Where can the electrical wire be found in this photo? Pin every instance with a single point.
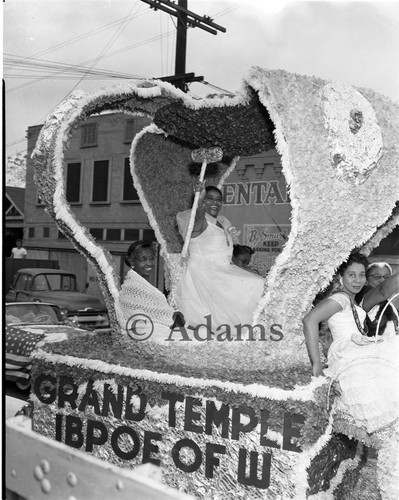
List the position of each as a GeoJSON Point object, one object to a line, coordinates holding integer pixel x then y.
{"type": "Point", "coordinates": [83, 36]}
{"type": "Point", "coordinates": [149, 40]}
{"type": "Point", "coordinates": [226, 11]}
{"type": "Point", "coordinates": [122, 21]}
{"type": "Point", "coordinates": [39, 67]}
{"type": "Point", "coordinates": [109, 44]}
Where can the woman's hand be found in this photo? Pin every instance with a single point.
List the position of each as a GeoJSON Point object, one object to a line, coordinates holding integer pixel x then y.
{"type": "Point", "coordinates": [234, 233]}
{"type": "Point", "coordinates": [321, 312]}
{"type": "Point", "coordinates": [199, 186]}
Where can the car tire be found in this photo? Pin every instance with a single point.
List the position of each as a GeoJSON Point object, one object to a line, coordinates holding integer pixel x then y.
{"type": "Point", "coordinates": [23, 386]}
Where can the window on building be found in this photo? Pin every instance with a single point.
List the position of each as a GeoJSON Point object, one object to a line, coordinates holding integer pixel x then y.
{"type": "Point", "coordinates": [31, 232]}
{"type": "Point", "coordinates": [129, 191]}
{"type": "Point", "coordinates": [89, 134]}
{"type": "Point", "coordinates": [46, 232]}
{"type": "Point", "coordinates": [97, 233]}
{"type": "Point", "coordinates": [100, 181]}
{"type": "Point", "coordinates": [148, 234]}
{"type": "Point", "coordinates": [113, 235]}
{"type": "Point", "coordinates": [134, 125]}
{"type": "Point", "coordinates": [132, 235]}
{"type": "Point", "coordinates": [73, 176]}
{"type": "Point", "coordinates": [61, 236]}
{"type": "Point", "coordinates": [131, 129]}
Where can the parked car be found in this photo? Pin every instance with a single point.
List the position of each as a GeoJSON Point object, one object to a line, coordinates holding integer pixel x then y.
{"type": "Point", "coordinates": [29, 325]}
{"type": "Point", "coordinates": [59, 287]}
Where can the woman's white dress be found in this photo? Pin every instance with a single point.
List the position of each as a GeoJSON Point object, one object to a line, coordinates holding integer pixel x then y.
{"type": "Point", "coordinates": [211, 284]}
{"type": "Point", "coordinates": [367, 374]}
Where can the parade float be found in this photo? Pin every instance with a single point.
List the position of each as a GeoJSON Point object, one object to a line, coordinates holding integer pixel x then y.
{"type": "Point", "coordinates": [225, 418]}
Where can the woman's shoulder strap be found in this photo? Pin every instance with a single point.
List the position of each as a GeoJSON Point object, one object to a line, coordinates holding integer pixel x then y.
{"type": "Point", "coordinates": [342, 298]}
{"type": "Point", "coordinates": [224, 221]}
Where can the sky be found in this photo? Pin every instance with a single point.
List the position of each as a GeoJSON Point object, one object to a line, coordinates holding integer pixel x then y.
{"type": "Point", "coordinates": [356, 42]}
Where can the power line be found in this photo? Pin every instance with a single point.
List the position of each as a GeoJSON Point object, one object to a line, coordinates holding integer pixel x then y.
{"type": "Point", "coordinates": [139, 44]}
{"type": "Point", "coordinates": [83, 36]}
{"type": "Point", "coordinates": [105, 49]}
{"type": "Point", "coordinates": [227, 10]}
{"type": "Point", "coordinates": [111, 75]}
{"type": "Point", "coordinates": [35, 68]}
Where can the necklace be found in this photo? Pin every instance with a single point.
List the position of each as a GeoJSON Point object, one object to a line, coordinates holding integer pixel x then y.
{"type": "Point", "coordinates": [362, 330]}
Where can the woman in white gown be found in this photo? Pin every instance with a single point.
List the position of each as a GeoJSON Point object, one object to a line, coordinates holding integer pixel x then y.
{"type": "Point", "coordinates": [365, 367]}
{"type": "Point", "coordinates": [211, 284]}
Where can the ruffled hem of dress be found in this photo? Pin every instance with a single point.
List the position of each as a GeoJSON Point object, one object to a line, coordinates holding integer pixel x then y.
{"type": "Point", "coordinates": [344, 424]}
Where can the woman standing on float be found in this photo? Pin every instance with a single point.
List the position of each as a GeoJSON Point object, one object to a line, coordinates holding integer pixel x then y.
{"type": "Point", "coordinates": [211, 284]}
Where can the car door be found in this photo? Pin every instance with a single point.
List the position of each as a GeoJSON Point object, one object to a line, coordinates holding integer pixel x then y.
{"type": "Point", "coordinates": [20, 291]}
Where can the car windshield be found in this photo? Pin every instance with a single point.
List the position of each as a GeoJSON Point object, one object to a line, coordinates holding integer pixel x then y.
{"type": "Point", "coordinates": [36, 313]}
{"type": "Point", "coordinates": [65, 282]}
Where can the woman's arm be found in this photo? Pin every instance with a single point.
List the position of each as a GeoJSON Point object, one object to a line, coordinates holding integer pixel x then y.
{"type": "Point", "coordinates": [381, 292]}
{"type": "Point", "coordinates": [323, 311]}
{"type": "Point", "coordinates": [200, 222]}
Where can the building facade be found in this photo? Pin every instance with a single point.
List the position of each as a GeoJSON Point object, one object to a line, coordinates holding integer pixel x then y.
{"type": "Point", "coordinates": [100, 191]}
{"type": "Point", "coordinates": [14, 207]}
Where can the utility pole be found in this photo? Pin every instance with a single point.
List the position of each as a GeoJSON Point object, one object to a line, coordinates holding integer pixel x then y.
{"type": "Point", "coordinates": [185, 19]}
{"type": "Point", "coordinates": [181, 40]}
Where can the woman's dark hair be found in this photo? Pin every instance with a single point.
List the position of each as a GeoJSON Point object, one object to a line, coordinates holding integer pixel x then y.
{"type": "Point", "coordinates": [137, 245]}
{"type": "Point", "coordinates": [213, 188]}
{"type": "Point", "coordinates": [242, 249]}
{"type": "Point", "coordinates": [354, 258]}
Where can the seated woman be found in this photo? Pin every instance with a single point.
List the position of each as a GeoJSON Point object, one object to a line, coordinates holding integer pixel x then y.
{"type": "Point", "coordinates": [210, 283]}
{"type": "Point", "coordinates": [242, 257]}
{"type": "Point", "coordinates": [388, 324]}
{"type": "Point", "coordinates": [365, 368]}
{"type": "Point", "coordinates": [139, 297]}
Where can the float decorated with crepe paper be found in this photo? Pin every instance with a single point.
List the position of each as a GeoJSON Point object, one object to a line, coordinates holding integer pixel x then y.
{"type": "Point", "coordinates": [226, 418]}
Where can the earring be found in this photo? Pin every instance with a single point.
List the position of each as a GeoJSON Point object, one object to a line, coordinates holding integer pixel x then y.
{"type": "Point", "coordinates": [340, 281]}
